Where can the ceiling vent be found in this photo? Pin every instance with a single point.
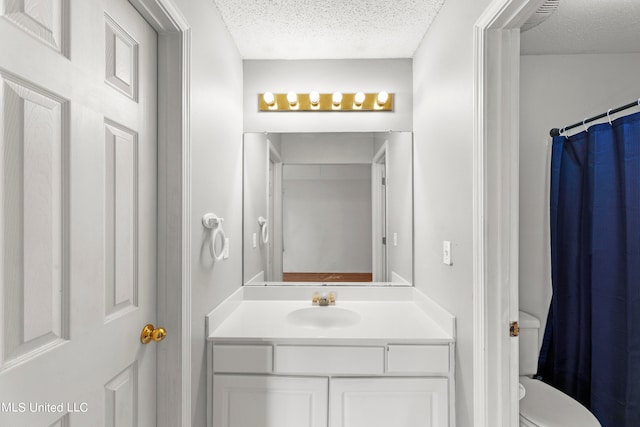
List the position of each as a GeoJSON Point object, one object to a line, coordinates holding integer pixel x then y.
{"type": "Point", "coordinates": [541, 15]}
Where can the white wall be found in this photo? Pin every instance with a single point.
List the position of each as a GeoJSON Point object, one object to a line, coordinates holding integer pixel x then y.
{"type": "Point", "coordinates": [327, 76]}
{"type": "Point", "coordinates": [443, 71]}
{"type": "Point", "coordinates": [329, 147]}
{"type": "Point", "coordinates": [327, 218]}
{"type": "Point", "coordinates": [216, 162]}
{"type": "Point", "coordinates": [555, 91]}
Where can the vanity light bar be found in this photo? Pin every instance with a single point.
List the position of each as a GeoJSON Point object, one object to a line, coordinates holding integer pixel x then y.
{"type": "Point", "coordinates": [336, 101]}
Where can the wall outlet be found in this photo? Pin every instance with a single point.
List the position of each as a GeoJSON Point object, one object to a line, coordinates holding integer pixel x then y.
{"type": "Point", "coordinates": [255, 240]}
{"type": "Point", "coordinates": [225, 254]}
{"type": "Point", "coordinates": [446, 252]}
{"type": "Point", "coordinates": [395, 239]}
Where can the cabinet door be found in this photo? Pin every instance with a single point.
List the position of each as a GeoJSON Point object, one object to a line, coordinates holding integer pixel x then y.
{"type": "Point", "coordinates": [384, 402]}
{"type": "Point", "coordinates": [266, 401]}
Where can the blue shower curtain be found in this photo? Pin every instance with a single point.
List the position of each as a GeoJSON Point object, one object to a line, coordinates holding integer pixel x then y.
{"type": "Point", "coordinates": [591, 347]}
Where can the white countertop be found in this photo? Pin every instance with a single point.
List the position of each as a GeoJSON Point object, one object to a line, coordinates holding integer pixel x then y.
{"type": "Point", "coordinates": [387, 315]}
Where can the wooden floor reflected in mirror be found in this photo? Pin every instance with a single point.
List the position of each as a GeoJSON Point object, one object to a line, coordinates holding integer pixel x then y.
{"type": "Point", "coordinates": [327, 277]}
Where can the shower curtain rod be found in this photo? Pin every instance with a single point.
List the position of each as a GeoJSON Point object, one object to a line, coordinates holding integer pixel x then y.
{"type": "Point", "coordinates": [556, 132]}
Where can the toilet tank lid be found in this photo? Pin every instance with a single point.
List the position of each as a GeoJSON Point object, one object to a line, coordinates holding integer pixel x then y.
{"type": "Point", "coordinates": [528, 321]}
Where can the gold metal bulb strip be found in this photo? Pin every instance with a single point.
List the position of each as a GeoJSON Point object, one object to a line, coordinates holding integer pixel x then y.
{"type": "Point", "coordinates": [325, 103]}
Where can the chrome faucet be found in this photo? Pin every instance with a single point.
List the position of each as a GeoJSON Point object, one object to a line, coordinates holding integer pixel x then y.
{"type": "Point", "coordinates": [324, 300]}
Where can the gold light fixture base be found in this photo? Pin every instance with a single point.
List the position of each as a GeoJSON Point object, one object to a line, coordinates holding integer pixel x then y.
{"type": "Point", "coordinates": [325, 103]}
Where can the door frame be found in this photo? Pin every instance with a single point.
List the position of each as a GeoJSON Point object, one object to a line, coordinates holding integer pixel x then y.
{"type": "Point", "coordinates": [173, 394]}
{"type": "Point", "coordinates": [379, 262]}
{"type": "Point", "coordinates": [496, 210]}
{"type": "Point", "coordinates": [275, 221]}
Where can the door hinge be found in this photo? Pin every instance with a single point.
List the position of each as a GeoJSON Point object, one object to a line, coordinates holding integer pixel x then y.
{"type": "Point", "coordinates": [384, 240]}
{"type": "Point", "coordinates": [384, 181]}
{"type": "Point", "coordinates": [514, 329]}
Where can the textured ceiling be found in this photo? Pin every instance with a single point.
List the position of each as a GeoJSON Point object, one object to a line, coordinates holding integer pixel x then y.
{"type": "Point", "coordinates": [327, 29]}
{"type": "Point", "coordinates": [587, 26]}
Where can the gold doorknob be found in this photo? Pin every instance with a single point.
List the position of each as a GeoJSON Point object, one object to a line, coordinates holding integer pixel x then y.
{"type": "Point", "coordinates": [151, 333]}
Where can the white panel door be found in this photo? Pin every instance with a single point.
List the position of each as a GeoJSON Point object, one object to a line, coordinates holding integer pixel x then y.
{"type": "Point", "coordinates": [384, 402]}
{"type": "Point", "coordinates": [77, 213]}
{"type": "Point", "coordinates": [269, 401]}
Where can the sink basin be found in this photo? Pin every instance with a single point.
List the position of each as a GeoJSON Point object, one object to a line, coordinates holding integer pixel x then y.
{"type": "Point", "coordinates": [323, 317]}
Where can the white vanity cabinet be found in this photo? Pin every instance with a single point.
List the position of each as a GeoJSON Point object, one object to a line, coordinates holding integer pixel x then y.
{"type": "Point", "coordinates": [283, 385]}
{"type": "Point", "coordinates": [269, 401]}
{"type": "Point", "coordinates": [380, 357]}
{"type": "Point", "coordinates": [384, 402]}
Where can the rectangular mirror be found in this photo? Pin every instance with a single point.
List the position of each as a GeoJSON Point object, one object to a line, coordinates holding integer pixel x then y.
{"type": "Point", "coordinates": [328, 207]}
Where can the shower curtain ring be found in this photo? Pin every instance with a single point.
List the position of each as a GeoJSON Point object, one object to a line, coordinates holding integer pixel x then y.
{"type": "Point", "coordinates": [609, 115]}
{"type": "Point", "coordinates": [563, 132]}
{"type": "Point", "coordinates": [586, 128]}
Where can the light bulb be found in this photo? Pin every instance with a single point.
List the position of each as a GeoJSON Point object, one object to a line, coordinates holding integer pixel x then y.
{"type": "Point", "coordinates": [268, 98]}
{"type": "Point", "coordinates": [336, 98]}
{"type": "Point", "coordinates": [359, 99]}
{"type": "Point", "coordinates": [383, 97]}
{"type": "Point", "coordinates": [314, 98]}
{"type": "Point", "coordinates": [292, 97]}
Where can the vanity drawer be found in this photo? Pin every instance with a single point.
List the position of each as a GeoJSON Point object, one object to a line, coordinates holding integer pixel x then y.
{"type": "Point", "coordinates": [431, 359]}
{"type": "Point", "coordinates": [256, 359]}
{"type": "Point", "coordinates": [328, 360]}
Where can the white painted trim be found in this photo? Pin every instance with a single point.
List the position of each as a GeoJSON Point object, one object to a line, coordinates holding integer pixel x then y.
{"type": "Point", "coordinates": [262, 245]}
{"type": "Point", "coordinates": [495, 210]}
{"type": "Point", "coordinates": [174, 240]}
{"type": "Point", "coordinates": [162, 15]}
{"type": "Point", "coordinates": [377, 253]}
{"type": "Point", "coordinates": [452, 383]}
{"type": "Point", "coordinates": [186, 229]}
{"type": "Point", "coordinates": [479, 233]}
{"type": "Point", "coordinates": [276, 222]}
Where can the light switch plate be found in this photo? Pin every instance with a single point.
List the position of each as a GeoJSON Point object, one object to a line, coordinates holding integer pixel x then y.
{"type": "Point", "coordinates": [225, 254]}
{"type": "Point", "coordinates": [446, 252]}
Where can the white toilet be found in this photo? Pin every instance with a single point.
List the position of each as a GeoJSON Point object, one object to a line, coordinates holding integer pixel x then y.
{"type": "Point", "coordinates": [540, 404]}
